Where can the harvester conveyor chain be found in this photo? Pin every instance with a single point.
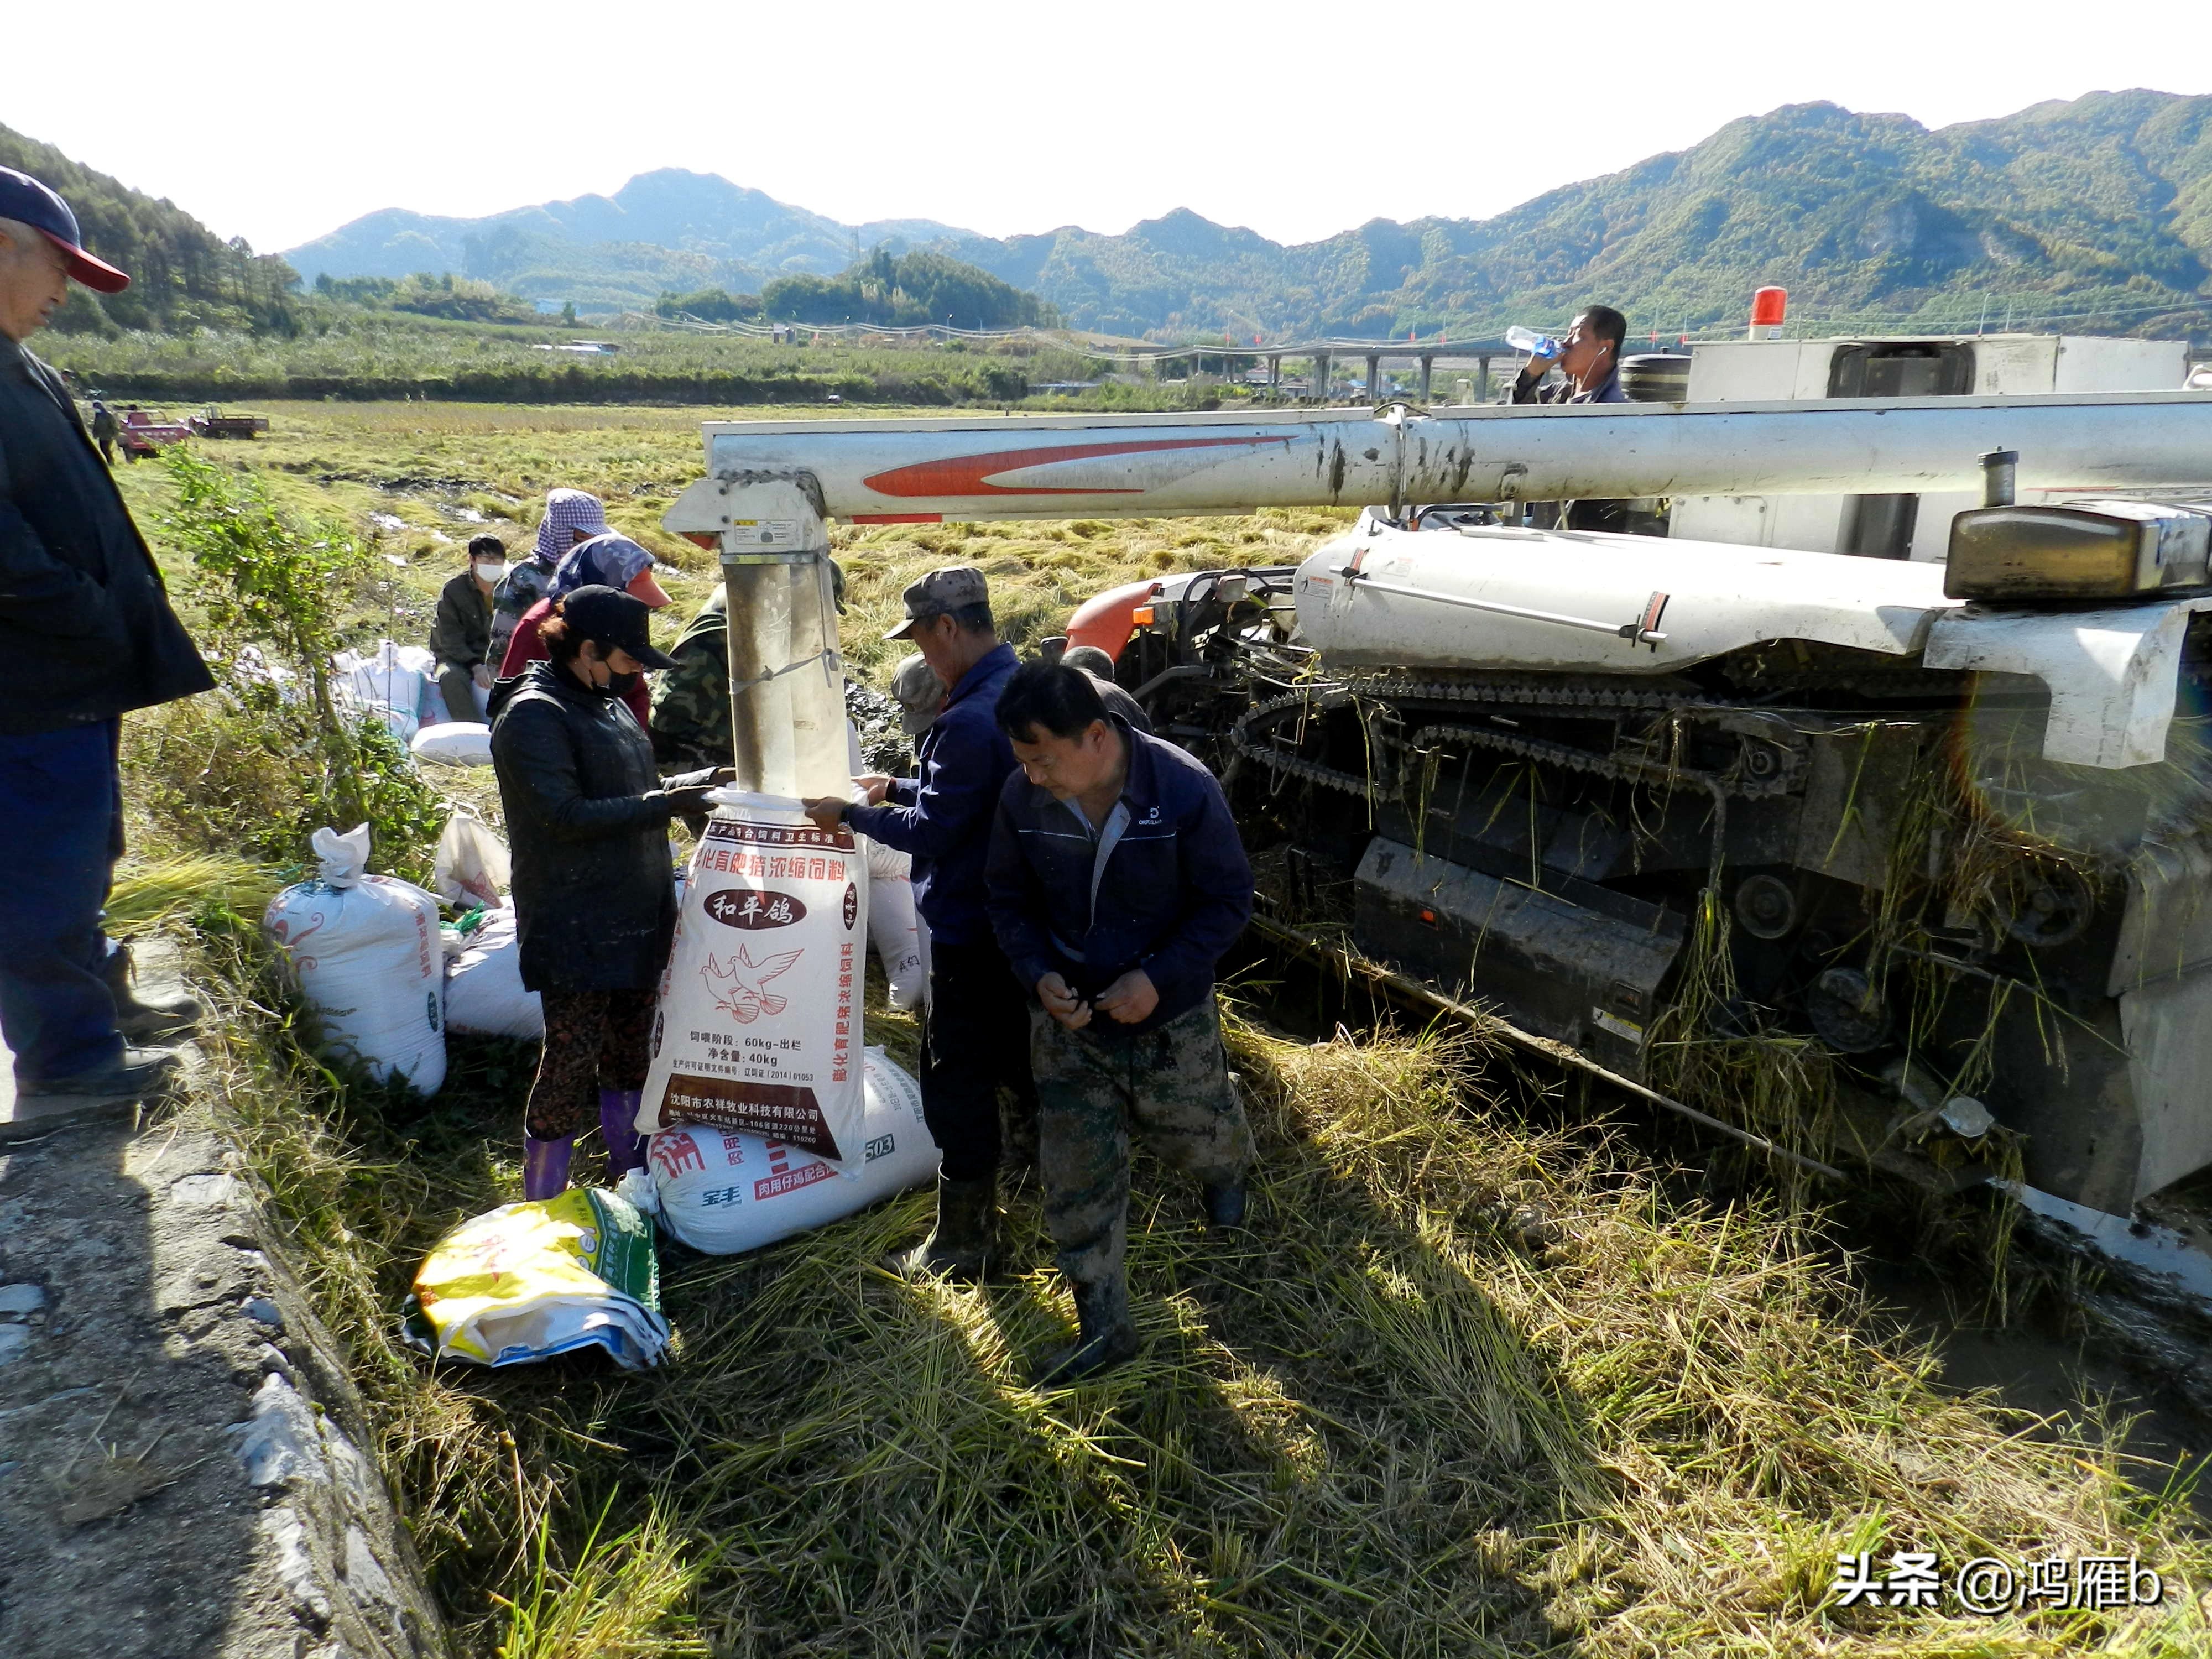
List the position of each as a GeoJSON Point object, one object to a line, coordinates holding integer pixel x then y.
{"type": "Point", "coordinates": [1580, 699]}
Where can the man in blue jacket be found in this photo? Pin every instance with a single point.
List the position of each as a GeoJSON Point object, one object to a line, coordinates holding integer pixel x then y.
{"type": "Point", "coordinates": [87, 636]}
{"type": "Point", "coordinates": [1117, 879]}
{"type": "Point", "coordinates": [977, 1035]}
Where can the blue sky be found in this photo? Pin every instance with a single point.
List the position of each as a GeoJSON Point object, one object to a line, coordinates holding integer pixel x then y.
{"type": "Point", "coordinates": [280, 122]}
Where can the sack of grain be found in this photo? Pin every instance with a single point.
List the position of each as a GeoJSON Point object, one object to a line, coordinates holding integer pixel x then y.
{"type": "Point", "coordinates": [393, 683]}
{"type": "Point", "coordinates": [365, 953]}
{"type": "Point", "coordinates": [894, 927]}
{"type": "Point", "coordinates": [722, 1191]}
{"type": "Point", "coordinates": [483, 983]}
{"type": "Point", "coordinates": [759, 1023]}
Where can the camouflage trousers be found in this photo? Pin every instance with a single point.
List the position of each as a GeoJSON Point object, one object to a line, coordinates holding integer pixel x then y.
{"type": "Point", "coordinates": [1171, 1085]}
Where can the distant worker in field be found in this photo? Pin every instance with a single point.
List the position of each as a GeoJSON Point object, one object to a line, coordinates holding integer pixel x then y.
{"type": "Point", "coordinates": [106, 428]}
{"type": "Point", "coordinates": [88, 635]}
{"type": "Point", "coordinates": [1589, 372]}
{"type": "Point", "coordinates": [460, 638]}
{"type": "Point", "coordinates": [977, 1038]}
{"type": "Point", "coordinates": [1117, 879]}
{"type": "Point", "coordinates": [607, 561]}
{"type": "Point", "coordinates": [571, 516]}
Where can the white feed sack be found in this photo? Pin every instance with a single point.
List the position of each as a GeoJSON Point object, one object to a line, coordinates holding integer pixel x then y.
{"type": "Point", "coordinates": [483, 983]}
{"type": "Point", "coordinates": [722, 1192]}
{"type": "Point", "coordinates": [894, 924]}
{"type": "Point", "coordinates": [366, 954]}
{"type": "Point", "coordinates": [759, 1026]}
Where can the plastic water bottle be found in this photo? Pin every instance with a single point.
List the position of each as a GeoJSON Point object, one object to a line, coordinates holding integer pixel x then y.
{"type": "Point", "coordinates": [1542, 346]}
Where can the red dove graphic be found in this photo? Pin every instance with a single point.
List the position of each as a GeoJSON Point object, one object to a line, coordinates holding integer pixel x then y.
{"type": "Point", "coordinates": [737, 984]}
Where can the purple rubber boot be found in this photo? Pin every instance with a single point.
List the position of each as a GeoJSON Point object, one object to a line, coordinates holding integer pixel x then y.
{"type": "Point", "coordinates": [545, 1166]}
{"type": "Point", "coordinates": [618, 1121]}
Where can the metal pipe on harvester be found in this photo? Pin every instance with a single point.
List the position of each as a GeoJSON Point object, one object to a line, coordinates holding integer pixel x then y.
{"type": "Point", "coordinates": [1063, 466]}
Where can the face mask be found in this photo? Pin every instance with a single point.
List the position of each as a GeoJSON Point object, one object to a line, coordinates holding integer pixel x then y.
{"type": "Point", "coordinates": [619, 685]}
{"type": "Point", "coordinates": [490, 572]}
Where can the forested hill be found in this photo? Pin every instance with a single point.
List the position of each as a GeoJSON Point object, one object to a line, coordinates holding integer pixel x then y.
{"type": "Point", "coordinates": [183, 275]}
{"type": "Point", "coordinates": [2091, 215]}
{"type": "Point", "coordinates": [2094, 214]}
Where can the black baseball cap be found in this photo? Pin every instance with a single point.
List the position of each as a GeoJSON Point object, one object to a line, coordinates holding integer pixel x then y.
{"type": "Point", "coordinates": [25, 199]}
{"type": "Point", "coordinates": [607, 616]}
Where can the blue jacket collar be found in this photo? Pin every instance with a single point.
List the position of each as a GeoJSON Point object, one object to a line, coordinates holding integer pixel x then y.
{"type": "Point", "coordinates": [995, 664]}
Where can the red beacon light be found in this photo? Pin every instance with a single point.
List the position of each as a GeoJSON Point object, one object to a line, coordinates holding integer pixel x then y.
{"type": "Point", "coordinates": [1768, 306]}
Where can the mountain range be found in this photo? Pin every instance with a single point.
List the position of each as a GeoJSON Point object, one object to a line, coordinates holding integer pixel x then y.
{"type": "Point", "coordinates": [2094, 213]}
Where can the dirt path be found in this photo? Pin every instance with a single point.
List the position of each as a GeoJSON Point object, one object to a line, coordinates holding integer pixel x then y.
{"type": "Point", "coordinates": [181, 1462]}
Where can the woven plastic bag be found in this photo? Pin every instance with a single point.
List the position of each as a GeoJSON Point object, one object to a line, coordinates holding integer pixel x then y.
{"type": "Point", "coordinates": [527, 1281]}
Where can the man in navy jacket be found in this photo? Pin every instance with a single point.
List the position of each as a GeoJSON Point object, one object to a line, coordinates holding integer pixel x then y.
{"type": "Point", "coordinates": [1117, 879]}
{"type": "Point", "coordinates": [977, 1037]}
{"type": "Point", "coordinates": [87, 636]}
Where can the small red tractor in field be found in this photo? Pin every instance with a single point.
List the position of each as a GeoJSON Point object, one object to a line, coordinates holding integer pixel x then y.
{"type": "Point", "coordinates": [148, 431]}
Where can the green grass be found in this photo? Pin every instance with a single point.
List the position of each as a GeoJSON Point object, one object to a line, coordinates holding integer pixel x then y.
{"type": "Point", "coordinates": [1387, 1421]}
{"type": "Point", "coordinates": [1469, 1385]}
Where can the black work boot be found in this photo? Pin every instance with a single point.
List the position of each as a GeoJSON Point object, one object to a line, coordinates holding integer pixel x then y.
{"type": "Point", "coordinates": [140, 1021]}
{"type": "Point", "coordinates": [1224, 1204]}
{"type": "Point", "coordinates": [1104, 1336]}
{"type": "Point", "coordinates": [134, 1074]}
{"type": "Point", "coordinates": [965, 1241]}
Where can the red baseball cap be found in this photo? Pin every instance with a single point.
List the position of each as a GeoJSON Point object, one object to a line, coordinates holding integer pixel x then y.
{"type": "Point", "coordinates": [25, 199]}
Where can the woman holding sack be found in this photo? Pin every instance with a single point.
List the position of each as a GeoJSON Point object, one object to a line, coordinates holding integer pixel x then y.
{"type": "Point", "coordinates": [595, 898]}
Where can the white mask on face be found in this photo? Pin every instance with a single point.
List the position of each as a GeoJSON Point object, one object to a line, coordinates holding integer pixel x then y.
{"type": "Point", "coordinates": [490, 572]}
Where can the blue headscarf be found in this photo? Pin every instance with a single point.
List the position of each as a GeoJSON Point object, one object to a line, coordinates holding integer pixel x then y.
{"type": "Point", "coordinates": [609, 561]}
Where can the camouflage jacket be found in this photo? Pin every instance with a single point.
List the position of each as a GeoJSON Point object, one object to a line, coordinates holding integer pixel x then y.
{"type": "Point", "coordinates": [691, 704]}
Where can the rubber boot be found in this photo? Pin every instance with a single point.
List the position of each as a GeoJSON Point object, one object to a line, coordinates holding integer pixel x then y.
{"type": "Point", "coordinates": [617, 1126]}
{"type": "Point", "coordinates": [545, 1166]}
{"type": "Point", "coordinates": [1105, 1337]}
{"type": "Point", "coordinates": [140, 1020]}
{"type": "Point", "coordinates": [1224, 1204]}
{"type": "Point", "coordinates": [965, 1241]}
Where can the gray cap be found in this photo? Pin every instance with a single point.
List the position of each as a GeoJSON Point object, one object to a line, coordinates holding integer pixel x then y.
{"type": "Point", "coordinates": [939, 592]}
{"type": "Point", "coordinates": [920, 694]}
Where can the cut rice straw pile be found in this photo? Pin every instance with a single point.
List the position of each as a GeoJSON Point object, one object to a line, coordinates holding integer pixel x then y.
{"type": "Point", "coordinates": [1465, 1387]}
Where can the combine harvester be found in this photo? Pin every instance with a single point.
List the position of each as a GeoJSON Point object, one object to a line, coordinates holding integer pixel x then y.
{"type": "Point", "coordinates": [1940, 828]}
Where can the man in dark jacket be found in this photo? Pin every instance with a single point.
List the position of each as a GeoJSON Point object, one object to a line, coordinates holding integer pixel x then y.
{"type": "Point", "coordinates": [460, 638]}
{"type": "Point", "coordinates": [1117, 879]}
{"type": "Point", "coordinates": [977, 1035]}
{"type": "Point", "coordinates": [87, 633]}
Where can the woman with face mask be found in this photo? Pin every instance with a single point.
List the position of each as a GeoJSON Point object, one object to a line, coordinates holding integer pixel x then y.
{"type": "Point", "coordinates": [594, 900]}
{"type": "Point", "coordinates": [607, 561]}
{"type": "Point", "coordinates": [461, 639]}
